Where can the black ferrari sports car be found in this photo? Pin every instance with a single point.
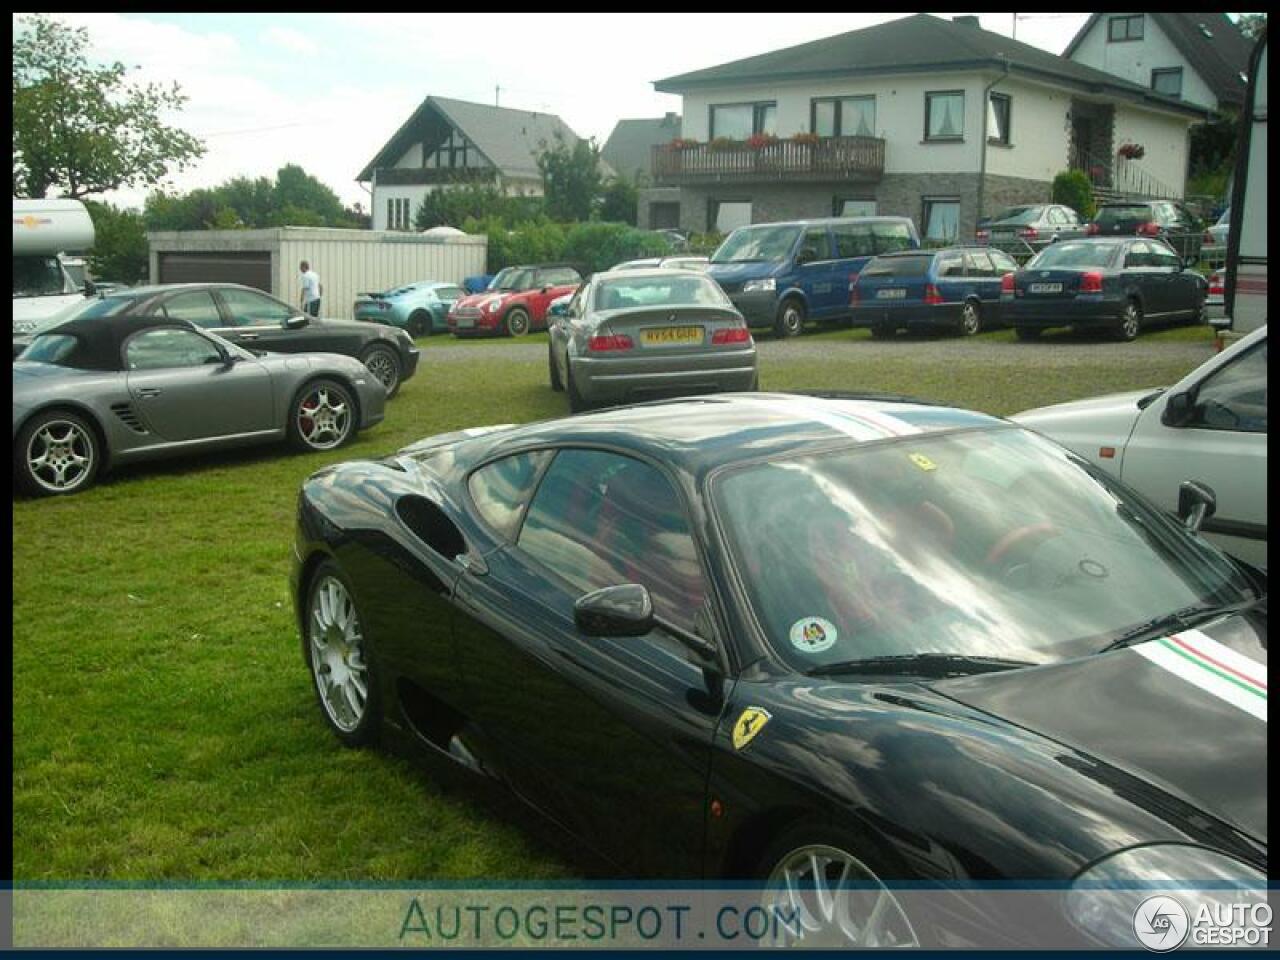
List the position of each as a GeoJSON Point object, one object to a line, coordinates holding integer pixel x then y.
{"type": "Point", "coordinates": [823, 642]}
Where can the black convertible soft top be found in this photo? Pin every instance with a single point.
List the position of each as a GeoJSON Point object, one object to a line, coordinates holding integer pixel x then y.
{"type": "Point", "coordinates": [99, 339]}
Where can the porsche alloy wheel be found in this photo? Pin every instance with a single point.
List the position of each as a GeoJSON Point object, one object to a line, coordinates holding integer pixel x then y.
{"type": "Point", "coordinates": [835, 900]}
{"type": "Point", "coordinates": [57, 453]}
{"type": "Point", "coordinates": [382, 363]}
{"type": "Point", "coordinates": [336, 649]}
{"type": "Point", "coordinates": [323, 416]}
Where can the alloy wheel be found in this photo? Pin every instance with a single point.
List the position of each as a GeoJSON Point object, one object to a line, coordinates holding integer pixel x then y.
{"type": "Point", "coordinates": [970, 319]}
{"type": "Point", "coordinates": [337, 654]}
{"type": "Point", "coordinates": [1130, 321]}
{"type": "Point", "coordinates": [60, 456]}
{"type": "Point", "coordinates": [836, 901]}
{"type": "Point", "coordinates": [324, 417]}
{"type": "Point", "coordinates": [382, 365]}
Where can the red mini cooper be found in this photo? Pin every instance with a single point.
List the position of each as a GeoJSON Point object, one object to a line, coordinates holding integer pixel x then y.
{"type": "Point", "coordinates": [515, 302]}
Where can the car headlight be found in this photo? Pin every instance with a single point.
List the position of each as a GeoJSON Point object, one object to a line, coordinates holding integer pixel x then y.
{"type": "Point", "coordinates": [768, 283]}
{"type": "Point", "coordinates": [1107, 900]}
{"type": "Point", "coordinates": [492, 305]}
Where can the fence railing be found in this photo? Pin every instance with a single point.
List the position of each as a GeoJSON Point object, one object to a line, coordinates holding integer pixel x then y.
{"type": "Point", "coordinates": [838, 158]}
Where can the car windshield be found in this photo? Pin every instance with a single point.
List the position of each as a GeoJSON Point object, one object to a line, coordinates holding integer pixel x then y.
{"type": "Point", "coordinates": [988, 543]}
{"type": "Point", "coordinates": [1019, 215]}
{"type": "Point", "coordinates": [674, 290]}
{"type": "Point", "coordinates": [1225, 218]}
{"type": "Point", "coordinates": [1069, 255]}
{"type": "Point", "coordinates": [754, 244]}
{"type": "Point", "coordinates": [512, 278]}
{"type": "Point", "coordinates": [38, 277]}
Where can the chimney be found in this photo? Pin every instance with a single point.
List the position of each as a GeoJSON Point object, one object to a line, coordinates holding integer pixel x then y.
{"type": "Point", "coordinates": [968, 20]}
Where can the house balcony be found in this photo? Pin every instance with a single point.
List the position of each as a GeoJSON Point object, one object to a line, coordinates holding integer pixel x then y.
{"type": "Point", "coordinates": [420, 176]}
{"type": "Point", "coordinates": [859, 159]}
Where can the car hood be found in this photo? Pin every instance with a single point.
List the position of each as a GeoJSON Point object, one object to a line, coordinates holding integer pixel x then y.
{"type": "Point", "coordinates": [741, 272]}
{"type": "Point", "coordinates": [479, 299]}
{"type": "Point", "coordinates": [1112, 416]}
{"type": "Point", "coordinates": [1186, 713]}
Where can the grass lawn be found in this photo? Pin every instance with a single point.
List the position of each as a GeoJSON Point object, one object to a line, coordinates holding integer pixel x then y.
{"type": "Point", "coordinates": [164, 726]}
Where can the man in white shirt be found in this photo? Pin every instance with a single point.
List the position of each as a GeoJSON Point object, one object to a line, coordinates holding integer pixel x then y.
{"type": "Point", "coordinates": [310, 290]}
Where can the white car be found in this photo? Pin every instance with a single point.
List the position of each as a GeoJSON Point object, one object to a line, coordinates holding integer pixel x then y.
{"type": "Point", "coordinates": [1210, 426]}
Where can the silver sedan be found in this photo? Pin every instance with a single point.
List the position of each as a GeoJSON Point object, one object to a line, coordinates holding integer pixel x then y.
{"type": "Point", "coordinates": [648, 334]}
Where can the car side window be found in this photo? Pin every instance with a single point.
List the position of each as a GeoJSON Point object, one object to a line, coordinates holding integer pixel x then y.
{"type": "Point", "coordinates": [449, 293]}
{"type": "Point", "coordinates": [817, 241]}
{"type": "Point", "coordinates": [249, 309]}
{"type": "Point", "coordinates": [600, 519]}
{"type": "Point", "coordinates": [196, 307]}
{"type": "Point", "coordinates": [1234, 397]}
{"type": "Point", "coordinates": [853, 240]}
{"type": "Point", "coordinates": [502, 489]}
{"type": "Point", "coordinates": [978, 263]}
{"type": "Point", "coordinates": [1138, 255]}
{"type": "Point", "coordinates": [1003, 262]}
{"type": "Point", "coordinates": [1162, 256]}
{"type": "Point", "coordinates": [165, 347]}
{"type": "Point", "coordinates": [950, 265]}
{"type": "Point", "coordinates": [557, 277]}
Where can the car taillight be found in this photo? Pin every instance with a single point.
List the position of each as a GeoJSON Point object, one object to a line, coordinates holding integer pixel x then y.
{"type": "Point", "coordinates": [614, 341]}
{"type": "Point", "coordinates": [1092, 230]}
{"type": "Point", "coordinates": [731, 335]}
{"type": "Point", "coordinates": [1148, 229]}
{"type": "Point", "coordinates": [855, 295]}
{"type": "Point", "coordinates": [983, 235]}
{"type": "Point", "coordinates": [931, 295]}
{"type": "Point", "coordinates": [1006, 283]}
{"type": "Point", "coordinates": [1217, 284]}
{"type": "Point", "coordinates": [1090, 282]}
{"type": "Point", "coordinates": [1028, 233]}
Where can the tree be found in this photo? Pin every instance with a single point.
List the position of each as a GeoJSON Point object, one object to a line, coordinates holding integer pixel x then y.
{"type": "Point", "coordinates": [570, 177]}
{"type": "Point", "coordinates": [1072, 188]}
{"type": "Point", "coordinates": [120, 250]}
{"type": "Point", "coordinates": [311, 203]}
{"type": "Point", "coordinates": [619, 201]}
{"type": "Point", "coordinates": [83, 129]}
{"type": "Point", "coordinates": [1252, 24]}
{"type": "Point", "coordinates": [294, 198]}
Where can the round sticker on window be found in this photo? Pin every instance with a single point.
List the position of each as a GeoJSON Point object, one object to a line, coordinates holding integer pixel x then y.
{"type": "Point", "coordinates": [813, 635]}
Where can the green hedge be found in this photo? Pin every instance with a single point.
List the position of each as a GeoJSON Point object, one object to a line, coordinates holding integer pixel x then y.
{"type": "Point", "coordinates": [593, 245]}
{"type": "Point", "coordinates": [1073, 189]}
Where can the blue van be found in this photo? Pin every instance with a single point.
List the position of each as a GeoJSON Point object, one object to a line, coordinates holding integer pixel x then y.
{"type": "Point", "coordinates": [956, 288]}
{"type": "Point", "coordinates": [781, 274]}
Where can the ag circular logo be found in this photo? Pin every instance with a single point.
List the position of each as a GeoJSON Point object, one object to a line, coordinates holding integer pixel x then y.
{"type": "Point", "coordinates": [1161, 923]}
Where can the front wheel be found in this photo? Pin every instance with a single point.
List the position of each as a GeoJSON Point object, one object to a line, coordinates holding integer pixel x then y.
{"type": "Point", "coordinates": [517, 323]}
{"type": "Point", "coordinates": [343, 672]}
{"type": "Point", "coordinates": [383, 363]}
{"type": "Point", "coordinates": [56, 453]}
{"type": "Point", "coordinates": [1130, 322]}
{"type": "Point", "coordinates": [790, 320]}
{"type": "Point", "coordinates": [323, 416]}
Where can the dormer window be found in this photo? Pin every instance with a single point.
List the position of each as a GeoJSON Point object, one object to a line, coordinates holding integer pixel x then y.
{"type": "Point", "coordinates": [1167, 81]}
{"type": "Point", "coordinates": [1125, 28]}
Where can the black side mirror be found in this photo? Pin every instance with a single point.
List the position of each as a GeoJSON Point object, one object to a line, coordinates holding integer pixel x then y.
{"type": "Point", "coordinates": [296, 322]}
{"type": "Point", "coordinates": [622, 611]}
{"type": "Point", "coordinates": [1179, 409]}
{"type": "Point", "coordinates": [1196, 503]}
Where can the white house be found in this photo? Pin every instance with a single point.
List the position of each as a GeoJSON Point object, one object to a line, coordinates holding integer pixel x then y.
{"type": "Point", "coordinates": [448, 142]}
{"type": "Point", "coordinates": [1202, 58]}
{"type": "Point", "coordinates": [934, 119]}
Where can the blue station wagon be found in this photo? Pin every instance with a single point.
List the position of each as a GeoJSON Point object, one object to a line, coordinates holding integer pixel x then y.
{"type": "Point", "coordinates": [781, 275]}
{"type": "Point", "coordinates": [956, 288]}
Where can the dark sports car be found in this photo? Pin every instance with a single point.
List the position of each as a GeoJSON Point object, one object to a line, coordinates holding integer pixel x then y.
{"type": "Point", "coordinates": [820, 641]}
{"type": "Point", "coordinates": [99, 391]}
{"type": "Point", "coordinates": [259, 321]}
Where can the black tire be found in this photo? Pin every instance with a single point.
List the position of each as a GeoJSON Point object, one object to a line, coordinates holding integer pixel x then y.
{"type": "Point", "coordinates": [577, 403]}
{"type": "Point", "coordinates": [553, 371]}
{"type": "Point", "coordinates": [365, 732]}
{"type": "Point", "coordinates": [880, 331]}
{"type": "Point", "coordinates": [420, 324]}
{"type": "Point", "coordinates": [1130, 322]}
{"type": "Point", "coordinates": [66, 449]}
{"type": "Point", "coordinates": [970, 319]}
{"type": "Point", "coordinates": [1027, 333]}
{"type": "Point", "coordinates": [790, 319]}
{"type": "Point", "coordinates": [516, 322]}
{"type": "Point", "coordinates": [335, 394]}
{"type": "Point", "coordinates": [384, 363]}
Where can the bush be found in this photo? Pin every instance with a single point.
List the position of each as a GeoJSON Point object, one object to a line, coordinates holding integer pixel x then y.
{"type": "Point", "coordinates": [598, 246]}
{"type": "Point", "coordinates": [120, 250]}
{"type": "Point", "coordinates": [532, 242]}
{"type": "Point", "coordinates": [1073, 189]}
{"type": "Point", "coordinates": [704, 244]}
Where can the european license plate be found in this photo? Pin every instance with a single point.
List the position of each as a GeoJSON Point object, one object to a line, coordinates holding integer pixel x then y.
{"type": "Point", "coordinates": [465, 323]}
{"type": "Point", "coordinates": [1045, 287]}
{"type": "Point", "coordinates": [891, 294]}
{"type": "Point", "coordinates": [671, 336]}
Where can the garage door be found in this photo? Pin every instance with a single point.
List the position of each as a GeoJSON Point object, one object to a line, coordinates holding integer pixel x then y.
{"type": "Point", "coordinates": [253, 269]}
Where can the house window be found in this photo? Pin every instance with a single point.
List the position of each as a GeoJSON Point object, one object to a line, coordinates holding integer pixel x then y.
{"type": "Point", "coordinates": [1122, 29]}
{"type": "Point", "coordinates": [853, 207]}
{"type": "Point", "coordinates": [1168, 81]}
{"type": "Point", "coordinates": [728, 215]}
{"type": "Point", "coordinates": [941, 219]}
{"type": "Point", "coordinates": [737, 121]}
{"type": "Point", "coordinates": [843, 116]}
{"type": "Point", "coordinates": [944, 115]}
{"type": "Point", "coordinates": [999, 113]}
{"type": "Point", "coordinates": [455, 153]}
{"type": "Point", "coordinates": [397, 213]}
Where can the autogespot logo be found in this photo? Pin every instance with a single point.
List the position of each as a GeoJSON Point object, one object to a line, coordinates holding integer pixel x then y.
{"type": "Point", "coordinates": [1161, 923]}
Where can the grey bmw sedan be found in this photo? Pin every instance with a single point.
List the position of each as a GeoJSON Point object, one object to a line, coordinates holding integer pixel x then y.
{"type": "Point", "coordinates": [649, 334]}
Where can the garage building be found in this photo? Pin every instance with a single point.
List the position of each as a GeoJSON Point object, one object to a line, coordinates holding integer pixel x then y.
{"type": "Point", "coordinates": [350, 262]}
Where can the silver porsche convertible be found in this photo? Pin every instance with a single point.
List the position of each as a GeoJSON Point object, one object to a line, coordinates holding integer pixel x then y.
{"type": "Point", "coordinates": [96, 392]}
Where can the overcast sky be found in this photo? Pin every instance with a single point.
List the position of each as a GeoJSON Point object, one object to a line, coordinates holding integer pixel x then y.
{"type": "Point", "coordinates": [326, 91]}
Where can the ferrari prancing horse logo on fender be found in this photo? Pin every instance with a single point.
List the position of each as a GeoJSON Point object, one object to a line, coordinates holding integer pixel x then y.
{"type": "Point", "coordinates": [750, 723]}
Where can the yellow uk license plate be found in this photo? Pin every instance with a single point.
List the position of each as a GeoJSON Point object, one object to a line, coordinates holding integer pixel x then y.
{"type": "Point", "coordinates": [671, 336]}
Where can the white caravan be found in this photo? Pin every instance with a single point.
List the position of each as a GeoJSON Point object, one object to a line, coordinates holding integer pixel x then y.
{"type": "Point", "coordinates": [43, 229]}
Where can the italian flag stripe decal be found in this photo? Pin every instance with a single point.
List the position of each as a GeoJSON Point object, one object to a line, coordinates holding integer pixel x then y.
{"type": "Point", "coordinates": [1216, 669]}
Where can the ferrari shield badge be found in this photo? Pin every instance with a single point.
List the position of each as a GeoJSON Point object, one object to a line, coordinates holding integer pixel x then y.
{"type": "Point", "coordinates": [749, 723]}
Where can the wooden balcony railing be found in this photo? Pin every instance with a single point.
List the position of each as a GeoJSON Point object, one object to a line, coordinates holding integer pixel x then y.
{"type": "Point", "coordinates": [831, 158]}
